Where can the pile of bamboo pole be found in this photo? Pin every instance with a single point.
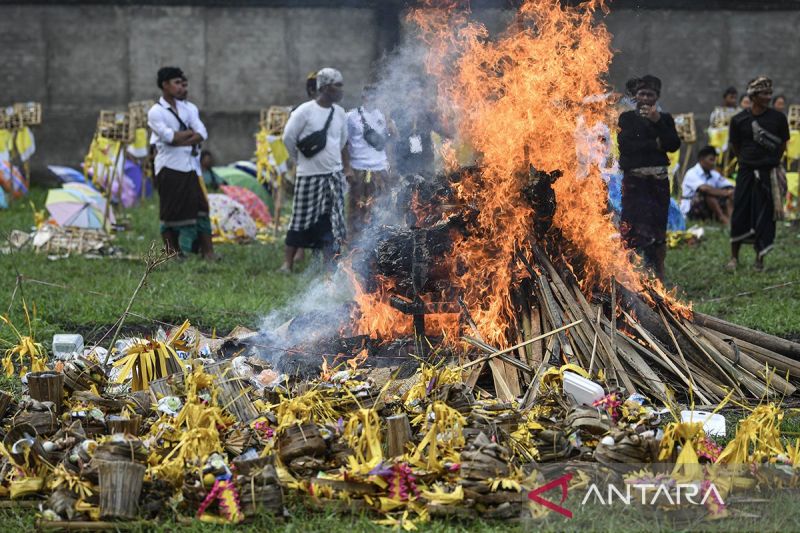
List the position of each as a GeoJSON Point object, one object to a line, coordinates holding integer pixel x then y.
{"type": "Point", "coordinates": [641, 347]}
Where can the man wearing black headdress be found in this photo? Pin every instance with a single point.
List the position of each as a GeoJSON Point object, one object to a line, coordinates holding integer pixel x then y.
{"type": "Point", "coordinates": [645, 137]}
{"type": "Point", "coordinates": [758, 136]}
{"type": "Point", "coordinates": [178, 132]}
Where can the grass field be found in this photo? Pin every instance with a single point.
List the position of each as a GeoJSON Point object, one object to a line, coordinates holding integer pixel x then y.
{"type": "Point", "coordinates": [87, 295]}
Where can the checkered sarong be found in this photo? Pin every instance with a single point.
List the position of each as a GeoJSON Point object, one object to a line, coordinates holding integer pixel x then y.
{"type": "Point", "coordinates": [315, 196]}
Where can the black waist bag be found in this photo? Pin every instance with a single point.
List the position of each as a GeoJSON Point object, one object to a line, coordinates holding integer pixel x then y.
{"type": "Point", "coordinates": [371, 135]}
{"type": "Point", "coordinates": [314, 143]}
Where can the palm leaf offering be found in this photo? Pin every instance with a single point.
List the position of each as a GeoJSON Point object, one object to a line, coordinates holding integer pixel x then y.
{"type": "Point", "coordinates": [146, 360]}
{"type": "Point", "coordinates": [26, 351]}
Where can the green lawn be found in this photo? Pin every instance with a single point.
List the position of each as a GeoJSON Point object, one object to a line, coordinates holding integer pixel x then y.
{"type": "Point", "coordinates": [244, 287]}
{"type": "Point", "coordinates": [773, 302]}
{"type": "Point", "coordinates": [237, 290]}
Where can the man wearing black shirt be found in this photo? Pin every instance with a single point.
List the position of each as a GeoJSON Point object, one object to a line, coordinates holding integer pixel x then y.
{"type": "Point", "coordinates": [413, 148]}
{"type": "Point", "coordinates": [645, 136]}
{"type": "Point", "coordinates": [758, 136]}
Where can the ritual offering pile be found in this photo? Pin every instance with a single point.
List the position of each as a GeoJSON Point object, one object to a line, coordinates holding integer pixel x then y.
{"type": "Point", "coordinates": [171, 429]}
{"type": "Point", "coordinates": [488, 337]}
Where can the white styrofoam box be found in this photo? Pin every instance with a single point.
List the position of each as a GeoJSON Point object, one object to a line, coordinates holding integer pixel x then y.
{"type": "Point", "coordinates": [713, 424]}
{"type": "Point", "coordinates": [584, 391]}
{"type": "Point", "coordinates": [67, 344]}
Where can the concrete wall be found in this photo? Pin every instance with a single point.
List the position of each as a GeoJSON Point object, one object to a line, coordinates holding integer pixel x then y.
{"type": "Point", "coordinates": [697, 54]}
{"type": "Point", "coordinates": [77, 59]}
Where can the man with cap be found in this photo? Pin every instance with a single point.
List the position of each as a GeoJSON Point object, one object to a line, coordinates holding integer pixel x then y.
{"type": "Point", "coordinates": [316, 136]}
{"type": "Point", "coordinates": [183, 206]}
{"type": "Point", "coordinates": [758, 136]}
{"type": "Point", "coordinates": [645, 136]}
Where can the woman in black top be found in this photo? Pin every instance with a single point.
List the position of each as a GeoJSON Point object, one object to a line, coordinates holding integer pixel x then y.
{"type": "Point", "coordinates": [758, 136]}
{"type": "Point", "coordinates": [645, 136]}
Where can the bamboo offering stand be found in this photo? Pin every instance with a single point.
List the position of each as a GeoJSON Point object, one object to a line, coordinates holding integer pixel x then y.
{"type": "Point", "coordinates": [272, 121]}
{"type": "Point", "coordinates": [16, 117]}
{"type": "Point", "coordinates": [138, 113]}
{"type": "Point", "coordinates": [684, 124]}
{"type": "Point", "coordinates": [115, 126]}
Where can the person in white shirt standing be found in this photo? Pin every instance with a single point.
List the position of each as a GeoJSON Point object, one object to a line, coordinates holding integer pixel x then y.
{"type": "Point", "coordinates": [183, 206]}
{"type": "Point", "coordinates": [316, 138]}
{"type": "Point", "coordinates": [368, 132]}
{"type": "Point", "coordinates": [705, 192]}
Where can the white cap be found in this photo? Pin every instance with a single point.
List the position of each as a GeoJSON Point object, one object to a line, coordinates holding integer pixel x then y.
{"type": "Point", "coordinates": [328, 76]}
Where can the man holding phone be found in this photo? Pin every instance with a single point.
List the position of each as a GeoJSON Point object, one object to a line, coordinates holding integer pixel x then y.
{"type": "Point", "coordinates": [645, 136]}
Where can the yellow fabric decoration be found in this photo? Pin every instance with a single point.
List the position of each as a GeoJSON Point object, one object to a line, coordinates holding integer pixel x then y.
{"type": "Point", "coordinates": [793, 146]}
{"type": "Point", "coordinates": [139, 148]}
{"type": "Point", "coordinates": [25, 143]}
{"type": "Point", "coordinates": [6, 144]}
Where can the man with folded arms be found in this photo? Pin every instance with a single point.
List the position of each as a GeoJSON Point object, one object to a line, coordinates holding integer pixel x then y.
{"type": "Point", "coordinates": [183, 206]}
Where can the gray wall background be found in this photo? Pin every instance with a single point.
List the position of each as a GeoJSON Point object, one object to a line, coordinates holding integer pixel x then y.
{"type": "Point", "coordinates": [77, 59]}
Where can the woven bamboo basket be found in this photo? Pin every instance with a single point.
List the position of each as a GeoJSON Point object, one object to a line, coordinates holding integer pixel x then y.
{"type": "Point", "coordinates": [129, 426]}
{"type": "Point", "coordinates": [233, 393]}
{"type": "Point", "coordinates": [47, 387]}
{"type": "Point", "coordinates": [5, 403]}
{"type": "Point", "coordinates": [138, 113]}
{"type": "Point", "coordinates": [169, 386]}
{"type": "Point", "coordinates": [120, 487]}
{"type": "Point", "coordinates": [24, 434]}
{"type": "Point", "coordinates": [115, 126]}
{"type": "Point", "coordinates": [300, 440]}
{"type": "Point", "coordinates": [684, 124]}
{"type": "Point", "coordinates": [44, 422]}
{"type": "Point", "coordinates": [30, 113]}
{"type": "Point", "coordinates": [794, 117]}
{"type": "Point", "coordinates": [274, 119]}
{"type": "Point", "coordinates": [80, 374]}
{"type": "Point", "coordinates": [140, 402]}
{"type": "Point", "coordinates": [11, 120]}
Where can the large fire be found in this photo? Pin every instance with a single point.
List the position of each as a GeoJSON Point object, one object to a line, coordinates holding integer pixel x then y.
{"type": "Point", "coordinates": [532, 97]}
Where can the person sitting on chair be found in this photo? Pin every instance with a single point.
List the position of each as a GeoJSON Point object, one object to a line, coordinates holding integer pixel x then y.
{"type": "Point", "coordinates": [706, 194]}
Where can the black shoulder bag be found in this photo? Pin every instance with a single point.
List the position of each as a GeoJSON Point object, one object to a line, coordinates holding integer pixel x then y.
{"type": "Point", "coordinates": [314, 143]}
{"type": "Point", "coordinates": [184, 127]}
{"type": "Point", "coordinates": [374, 138]}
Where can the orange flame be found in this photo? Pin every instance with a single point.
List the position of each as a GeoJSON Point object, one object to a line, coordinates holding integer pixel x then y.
{"type": "Point", "coordinates": [534, 97]}
{"type": "Point", "coordinates": [521, 99]}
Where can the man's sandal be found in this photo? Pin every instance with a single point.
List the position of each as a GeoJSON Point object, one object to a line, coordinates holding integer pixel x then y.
{"type": "Point", "coordinates": [731, 265]}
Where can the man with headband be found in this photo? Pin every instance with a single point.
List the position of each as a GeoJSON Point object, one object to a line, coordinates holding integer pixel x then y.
{"type": "Point", "coordinates": [758, 136]}
{"type": "Point", "coordinates": [645, 137]}
{"type": "Point", "coordinates": [183, 206]}
{"type": "Point", "coordinates": [316, 137]}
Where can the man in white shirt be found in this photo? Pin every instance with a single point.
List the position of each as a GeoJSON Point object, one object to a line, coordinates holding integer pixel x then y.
{"type": "Point", "coordinates": [368, 132]}
{"type": "Point", "coordinates": [178, 131]}
{"type": "Point", "coordinates": [316, 136]}
{"type": "Point", "coordinates": [705, 192]}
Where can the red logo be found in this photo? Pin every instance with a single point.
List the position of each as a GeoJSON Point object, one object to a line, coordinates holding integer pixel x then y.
{"type": "Point", "coordinates": [560, 482]}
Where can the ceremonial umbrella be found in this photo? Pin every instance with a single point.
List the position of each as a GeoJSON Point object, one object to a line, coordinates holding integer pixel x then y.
{"type": "Point", "coordinates": [67, 174]}
{"type": "Point", "coordinates": [240, 178]}
{"type": "Point", "coordinates": [74, 207]}
{"type": "Point", "coordinates": [229, 218]}
{"type": "Point", "coordinates": [255, 207]}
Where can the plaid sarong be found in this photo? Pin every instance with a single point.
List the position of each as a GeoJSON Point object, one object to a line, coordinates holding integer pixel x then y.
{"type": "Point", "coordinates": [315, 196]}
